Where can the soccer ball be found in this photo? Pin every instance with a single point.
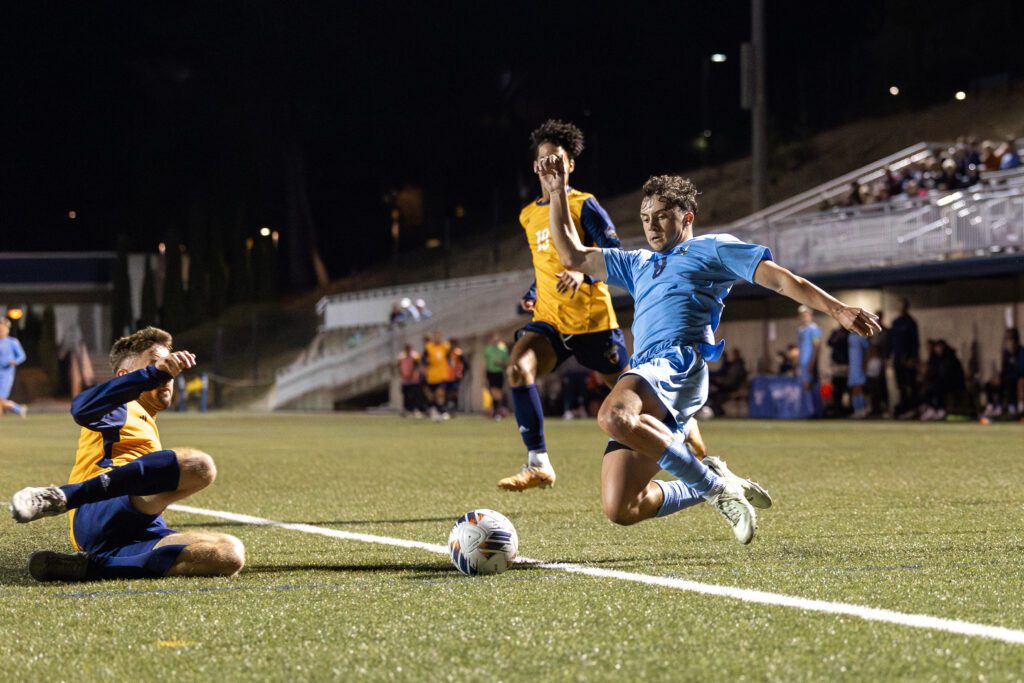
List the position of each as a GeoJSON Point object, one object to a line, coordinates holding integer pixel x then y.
{"type": "Point", "coordinates": [483, 542]}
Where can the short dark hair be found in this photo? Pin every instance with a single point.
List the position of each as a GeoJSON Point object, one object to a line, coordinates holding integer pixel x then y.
{"type": "Point", "coordinates": [561, 133]}
{"type": "Point", "coordinates": [136, 343]}
{"type": "Point", "coordinates": [673, 190]}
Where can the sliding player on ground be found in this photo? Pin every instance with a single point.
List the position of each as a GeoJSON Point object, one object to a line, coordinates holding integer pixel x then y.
{"type": "Point", "coordinates": [678, 287]}
{"type": "Point", "coordinates": [123, 480]}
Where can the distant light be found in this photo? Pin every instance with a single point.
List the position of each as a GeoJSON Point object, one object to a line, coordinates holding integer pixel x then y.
{"type": "Point", "coordinates": [15, 313]}
{"type": "Point", "coordinates": [707, 133]}
{"type": "Point", "coordinates": [162, 248]}
{"type": "Point", "coordinates": [264, 231]}
{"type": "Point", "coordinates": [893, 90]}
{"type": "Point", "coordinates": [460, 211]}
{"type": "Point", "coordinates": [960, 95]}
{"type": "Point", "coordinates": [249, 242]}
{"type": "Point", "coordinates": [718, 58]}
{"type": "Point", "coordinates": [72, 215]}
{"type": "Point", "coordinates": [433, 243]}
{"type": "Point", "coordinates": [276, 236]}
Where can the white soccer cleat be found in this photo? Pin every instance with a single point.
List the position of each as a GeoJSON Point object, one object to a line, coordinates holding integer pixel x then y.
{"type": "Point", "coordinates": [34, 502]}
{"type": "Point", "coordinates": [733, 505]}
{"type": "Point", "coordinates": [754, 492]}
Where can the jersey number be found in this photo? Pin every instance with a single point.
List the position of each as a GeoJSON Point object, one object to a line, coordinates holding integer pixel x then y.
{"type": "Point", "coordinates": [543, 239]}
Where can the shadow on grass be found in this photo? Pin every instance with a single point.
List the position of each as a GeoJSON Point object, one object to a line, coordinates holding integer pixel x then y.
{"type": "Point", "coordinates": [388, 567]}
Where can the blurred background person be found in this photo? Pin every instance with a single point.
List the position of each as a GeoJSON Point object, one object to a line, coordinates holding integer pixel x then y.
{"type": "Point", "coordinates": [808, 341]}
{"type": "Point", "coordinates": [11, 356]}
{"type": "Point", "coordinates": [457, 366]}
{"type": "Point", "coordinates": [409, 374]}
{"type": "Point", "coordinates": [857, 352]}
{"type": "Point", "coordinates": [495, 362]}
{"type": "Point", "coordinates": [905, 346]}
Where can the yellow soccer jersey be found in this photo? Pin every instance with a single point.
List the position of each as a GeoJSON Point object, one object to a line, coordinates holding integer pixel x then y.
{"type": "Point", "coordinates": [116, 429]}
{"type": "Point", "coordinates": [591, 309]}
{"type": "Point", "coordinates": [436, 357]}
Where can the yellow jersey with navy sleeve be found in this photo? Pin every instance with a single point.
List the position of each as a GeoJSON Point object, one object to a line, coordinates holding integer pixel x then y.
{"type": "Point", "coordinates": [116, 429]}
{"type": "Point", "coordinates": [591, 309]}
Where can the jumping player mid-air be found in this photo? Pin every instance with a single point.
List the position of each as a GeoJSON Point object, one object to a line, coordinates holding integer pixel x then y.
{"type": "Point", "coordinates": [123, 480]}
{"type": "Point", "coordinates": [678, 287]}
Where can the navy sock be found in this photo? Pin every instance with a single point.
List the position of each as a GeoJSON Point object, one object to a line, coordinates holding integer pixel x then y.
{"type": "Point", "coordinates": [148, 565]}
{"type": "Point", "coordinates": [677, 496]}
{"type": "Point", "coordinates": [530, 416]}
{"type": "Point", "coordinates": [152, 473]}
{"type": "Point", "coordinates": [679, 462]}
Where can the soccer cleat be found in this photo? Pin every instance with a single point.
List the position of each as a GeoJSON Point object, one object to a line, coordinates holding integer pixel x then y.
{"type": "Point", "coordinates": [754, 492]}
{"type": "Point", "coordinates": [34, 502]}
{"type": "Point", "coordinates": [733, 505]}
{"type": "Point", "coordinates": [46, 565]}
{"type": "Point", "coordinates": [529, 477]}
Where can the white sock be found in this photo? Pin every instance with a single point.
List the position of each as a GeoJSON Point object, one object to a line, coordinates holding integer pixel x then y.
{"type": "Point", "coordinates": [538, 459]}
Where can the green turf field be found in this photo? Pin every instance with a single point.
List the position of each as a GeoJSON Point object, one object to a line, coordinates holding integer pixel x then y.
{"type": "Point", "coordinates": [922, 519]}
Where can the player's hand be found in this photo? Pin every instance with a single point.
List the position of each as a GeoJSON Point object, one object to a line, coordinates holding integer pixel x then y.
{"type": "Point", "coordinates": [554, 176]}
{"type": "Point", "coordinates": [527, 304]}
{"type": "Point", "coordinates": [176, 363]}
{"type": "Point", "coordinates": [569, 281]}
{"type": "Point", "coordinates": [858, 321]}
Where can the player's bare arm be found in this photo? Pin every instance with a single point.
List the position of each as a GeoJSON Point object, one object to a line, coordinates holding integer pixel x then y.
{"type": "Point", "coordinates": [554, 177]}
{"type": "Point", "coordinates": [778, 279]}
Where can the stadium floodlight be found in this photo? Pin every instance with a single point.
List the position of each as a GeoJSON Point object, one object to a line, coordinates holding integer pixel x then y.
{"type": "Point", "coordinates": [264, 231]}
{"type": "Point", "coordinates": [894, 90]}
{"type": "Point", "coordinates": [718, 58]}
{"type": "Point", "coordinates": [960, 95]}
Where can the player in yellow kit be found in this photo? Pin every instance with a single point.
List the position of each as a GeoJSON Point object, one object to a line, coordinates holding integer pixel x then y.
{"type": "Point", "coordinates": [572, 314]}
{"type": "Point", "coordinates": [438, 370]}
{"type": "Point", "coordinates": [123, 479]}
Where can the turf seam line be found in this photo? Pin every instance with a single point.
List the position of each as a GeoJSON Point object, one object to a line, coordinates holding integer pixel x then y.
{"type": "Point", "coordinates": [922, 621]}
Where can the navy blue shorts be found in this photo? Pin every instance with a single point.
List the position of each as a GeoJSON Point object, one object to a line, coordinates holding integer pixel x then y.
{"type": "Point", "coordinates": [602, 351]}
{"type": "Point", "coordinates": [114, 528]}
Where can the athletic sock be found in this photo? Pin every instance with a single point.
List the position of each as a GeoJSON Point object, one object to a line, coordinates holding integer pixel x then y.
{"type": "Point", "coordinates": [530, 416]}
{"type": "Point", "coordinates": [538, 459]}
{"type": "Point", "coordinates": [680, 463]}
{"type": "Point", "coordinates": [152, 473]}
{"type": "Point", "coordinates": [677, 496]}
{"type": "Point", "coordinates": [148, 565]}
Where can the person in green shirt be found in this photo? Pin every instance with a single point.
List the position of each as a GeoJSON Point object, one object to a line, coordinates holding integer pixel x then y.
{"type": "Point", "coordinates": [495, 360]}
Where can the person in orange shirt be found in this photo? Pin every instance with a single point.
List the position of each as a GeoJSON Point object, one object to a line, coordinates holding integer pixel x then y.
{"type": "Point", "coordinates": [435, 358]}
{"type": "Point", "coordinates": [123, 480]}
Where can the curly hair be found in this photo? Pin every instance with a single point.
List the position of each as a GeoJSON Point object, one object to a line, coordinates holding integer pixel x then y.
{"type": "Point", "coordinates": [137, 343]}
{"type": "Point", "coordinates": [561, 133]}
{"type": "Point", "coordinates": [673, 190]}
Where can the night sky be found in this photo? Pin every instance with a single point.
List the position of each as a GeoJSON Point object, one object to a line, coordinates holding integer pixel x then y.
{"type": "Point", "coordinates": [146, 118]}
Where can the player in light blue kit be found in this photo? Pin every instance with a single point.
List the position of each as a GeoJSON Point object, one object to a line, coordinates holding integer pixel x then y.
{"type": "Point", "coordinates": [11, 356]}
{"type": "Point", "coordinates": [678, 288]}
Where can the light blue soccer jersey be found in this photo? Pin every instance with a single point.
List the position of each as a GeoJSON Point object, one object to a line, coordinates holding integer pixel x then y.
{"type": "Point", "coordinates": [806, 337]}
{"type": "Point", "coordinates": [679, 295]}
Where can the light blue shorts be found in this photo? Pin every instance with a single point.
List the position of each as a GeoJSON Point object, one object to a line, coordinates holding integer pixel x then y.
{"type": "Point", "coordinates": [679, 378]}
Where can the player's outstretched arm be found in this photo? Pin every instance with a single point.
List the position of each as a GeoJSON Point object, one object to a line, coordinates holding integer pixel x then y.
{"type": "Point", "coordinates": [555, 178]}
{"type": "Point", "coordinates": [94, 403]}
{"type": "Point", "coordinates": [773, 276]}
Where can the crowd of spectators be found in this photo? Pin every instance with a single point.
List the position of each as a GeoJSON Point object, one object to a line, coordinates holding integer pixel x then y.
{"type": "Point", "coordinates": [408, 311]}
{"type": "Point", "coordinates": [957, 167]}
{"type": "Point", "coordinates": [431, 378]}
{"type": "Point", "coordinates": [927, 389]}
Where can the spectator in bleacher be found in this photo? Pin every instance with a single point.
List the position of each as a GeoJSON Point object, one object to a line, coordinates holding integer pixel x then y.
{"type": "Point", "coordinates": [1009, 157]}
{"type": "Point", "coordinates": [410, 376]}
{"type": "Point", "coordinates": [911, 190]}
{"type": "Point", "coordinates": [857, 352]}
{"type": "Point", "coordinates": [421, 308]}
{"type": "Point", "coordinates": [495, 362]}
{"type": "Point", "coordinates": [948, 179]}
{"type": "Point", "coordinates": [839, 366]}
{"type": "Point", "coordinates": [457, 367]}
{"type": "Point", "coordinates": [905, 346]}
{"type": "Point", "coordinates": [894, 182]}
{"type": "Point", "coordinates": [808, 340]}
{"type": "Point", "coordinates": [944, 382]}
{"type": "Point", "coordinates": [11, 356]}
{"type": "Point", "coordinates": [726, 381]}
{"type": "Point", "coordinates": [989, 158]}
{"type": "Point", "coordinates": [396, 317]}
{"type": "Point", "coordinates": [410, 313]}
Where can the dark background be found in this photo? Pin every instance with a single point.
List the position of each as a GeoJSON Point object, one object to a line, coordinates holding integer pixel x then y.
{"type": "Point", "coordinates": [148, 119]}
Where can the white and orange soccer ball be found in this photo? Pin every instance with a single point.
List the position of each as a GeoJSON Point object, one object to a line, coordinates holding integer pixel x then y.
{"type": "Point", "coordinates": [483, 542]}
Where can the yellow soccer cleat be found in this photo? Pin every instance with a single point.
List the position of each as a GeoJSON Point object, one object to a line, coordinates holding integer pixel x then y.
{"type": "Point", "coordinates": [529, 478]}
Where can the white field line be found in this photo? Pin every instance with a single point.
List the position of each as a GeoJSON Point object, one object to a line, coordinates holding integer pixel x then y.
{"type": "Point", "coordinates": [924, 621]}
